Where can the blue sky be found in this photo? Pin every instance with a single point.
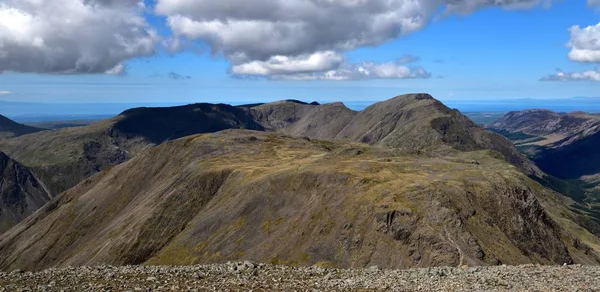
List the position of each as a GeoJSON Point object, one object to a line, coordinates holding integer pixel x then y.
{"type": "Point", "coordinates": [491, 53]}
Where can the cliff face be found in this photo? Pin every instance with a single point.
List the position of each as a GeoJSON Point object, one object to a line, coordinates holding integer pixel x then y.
{"type": "Point", "coordinates": [21, 193]}
{"type": "Point", "coordinates": [252, 195]}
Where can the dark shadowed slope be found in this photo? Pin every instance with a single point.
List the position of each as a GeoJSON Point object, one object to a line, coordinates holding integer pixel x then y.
{"type": "Point", "coordinates": [569, 145]}
{"type": "Point", "coordinates": [21, 192]}
{"type": "Point", "coordinates": [574, 160]}
{"type": "Point", "coordinates": [157, 125]}
{"type": "Point", "coordinates": [238, 195]}
{"type": "Point", "coordinates": [9, 128]}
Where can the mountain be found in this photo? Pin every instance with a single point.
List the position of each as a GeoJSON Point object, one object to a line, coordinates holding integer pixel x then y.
{"type": "Point", "coordinates": [546, 124]}
{"type": "Point", "coordinates": [21, 193]}
{"type": "Point", "coordinates": [268, 197]}
{"type": "Point", "coordinates": [563, 145]}
{"type": "Point", "coordinates": [65, 157]}
{"type": "Point", "coordinates": [415, 121]}
{"type": "Point", "coordinates": [9, 128]}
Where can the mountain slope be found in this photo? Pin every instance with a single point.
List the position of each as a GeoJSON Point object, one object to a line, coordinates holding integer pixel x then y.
{"type": "Point", "coordinates": [415, 121]}
{"type": "Point", "coordinates": [9, 128]}
{"type": "Point", "coordinates": [568, 145]}
{"type": "Point", "coordinates": [65, 157]}
{"type": "Point", "coordinates": [252, 195]}
{"type": "Point", "coordinates": [21, 193]}
{"type": "Point", "coordinates": [545, 122]}
{"type": "Point", "coordinates": [565, 146]}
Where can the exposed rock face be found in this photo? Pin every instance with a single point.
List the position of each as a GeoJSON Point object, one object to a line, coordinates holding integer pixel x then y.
{"type": "Point", "coordinates": [239, 195]}
{"type": "Point", "coordinates": [9, 128]}
{"type": "Point", "coordinates": [21, 193]}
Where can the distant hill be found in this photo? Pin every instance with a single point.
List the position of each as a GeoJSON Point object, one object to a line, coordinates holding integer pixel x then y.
{"type": "Point", "coordinates": [9, 128]}
{"type": "Point", "coordinates": [21, 192]}
{"type": "Point", "coordinates": [269, 197]}
{"type": "Point", "coordinates": [564, 145]}
{"type": "Point", "coordinates": [545, 122]}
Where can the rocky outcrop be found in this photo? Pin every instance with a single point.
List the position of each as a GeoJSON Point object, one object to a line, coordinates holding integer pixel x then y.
{"type": "Point", "coordinates": [21, 193]}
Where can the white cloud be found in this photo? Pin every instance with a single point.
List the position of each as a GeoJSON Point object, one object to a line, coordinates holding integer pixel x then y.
{"type": "Point", "coordinates": [585, 44]}
{"type": "Point", "coordinates": [278, 65]}
{"type": "Point", "coordinates": [592, 3]}
{"type": "Point", "coordinates": [362, 71]}
{"type": "Point", "coordinates": [261, 35]}
{"type": "Point", "coordinates": [591, 75]}
{"type": "Point", "coordinates": [4, 92]}
{"type": "Point", "coordinates": [278, 37]}
{"type": "Point", "coordinates": [72, 36]}
{"type": "Point", "coordinates": [119, 69]}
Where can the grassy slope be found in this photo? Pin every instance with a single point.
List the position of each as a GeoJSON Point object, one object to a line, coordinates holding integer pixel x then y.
{"type": "Point", "coordinates": [252, 195]}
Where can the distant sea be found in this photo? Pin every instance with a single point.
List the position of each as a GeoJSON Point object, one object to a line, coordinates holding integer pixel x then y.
{"type": "Point", "coordinates": [39, 112]}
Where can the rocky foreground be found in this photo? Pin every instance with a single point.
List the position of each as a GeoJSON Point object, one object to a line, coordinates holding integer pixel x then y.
{"type": "Point", "coordinates": [261, 277]}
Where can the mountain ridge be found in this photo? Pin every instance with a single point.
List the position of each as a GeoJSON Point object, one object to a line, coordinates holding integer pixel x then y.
{"type": "Point", "coordinates": [241, 194]}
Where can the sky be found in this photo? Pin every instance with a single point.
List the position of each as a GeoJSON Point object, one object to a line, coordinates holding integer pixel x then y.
{"type": "Point", "coordinates": [236, 51]}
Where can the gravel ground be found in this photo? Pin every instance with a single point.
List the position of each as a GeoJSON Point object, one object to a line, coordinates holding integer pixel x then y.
{"type": "Point", "coordinates": [259, 277]}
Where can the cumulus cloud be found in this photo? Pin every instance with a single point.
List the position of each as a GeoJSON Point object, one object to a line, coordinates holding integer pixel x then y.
{"type": "Point", "coordinates": [282, 37]}
{"type": "Point", "coordinates": [281, 65]}
{"type": "Point", "coordinates": [72, 36]}
{"type": "Point", "coordinates": [585, 44]}
{"type": "Point", "coordinates": [362, 71]}
{"type": "Point", "coordinates": [591, 75]}
{"type": "Point", "coordinates": [276, 37]}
